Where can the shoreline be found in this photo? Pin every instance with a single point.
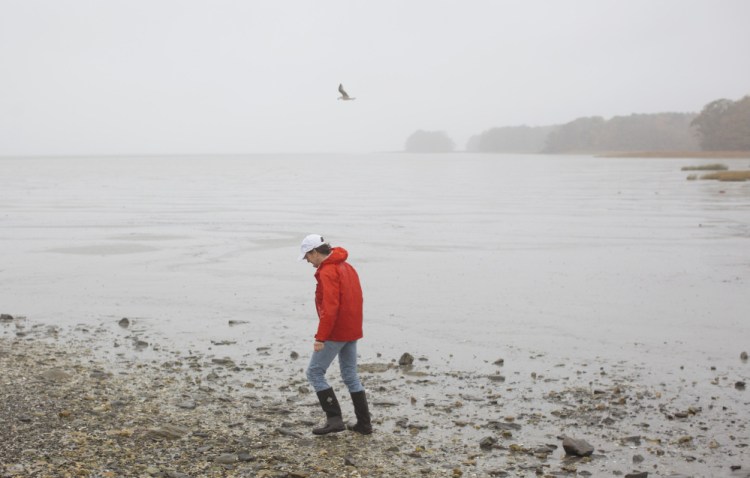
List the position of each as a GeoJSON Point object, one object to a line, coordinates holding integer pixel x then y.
{"type": "Point", "coordinates": [169, 413]}
{"type": "Point", "coordinates": [678, 154]}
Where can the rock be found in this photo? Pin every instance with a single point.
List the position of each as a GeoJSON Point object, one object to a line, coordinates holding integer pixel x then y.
{"type": "Point", "coordinates": [735, 467]}
{"type": "Point", "coordinates": [406, 359]}
{"type": "Point", "coordinates": [226, 362]}
{"type": "Point", "coordinates": [634, 440]}
{"type": "Point", "coordinates": [637, 474]}
{"type": "Point", "coordinates": [140, 344]}
{"type": "Point", "coordinates": [287, 432]}
{"type": "Point", "coordinates": [176, 474]}
{"type": "Point", "coordinates": [499, 362]}
{"type": "Point", "coordinates": [238, 322]}
{"type": "Point", "coordinates": [497, 472]}
{"type": "Point", "coordinates": [124, 323]}
{"type": "Point", "coordinates": [244, 456]}
{"type": "Point", "coordinates": [349, 461]}
{"type": "Point", "coordinates": [223, 342]}
{"type": "Point", "coordinates": [487, 443]}
{"type": "Point", "coordinates": [55, 375]}
{"type": "Point", "coordinates": [637, 459]}
{"type": "Point", "coordinates": [385, 403]}
{"type": "Point", "coordinates": [577, 447]}
{"type": "Point", "coordinates": [501, 425]}
{"type": "Point", "coordinates": [294, 355]}
{"type": "Point", "coordinates": [743, 356]}
{"type": "Point", "coordinates": [6, 318]}
{"type": "Point", "coordinates": [739, 385]}
{"type": "Point", "coordinates": [227, 458]}
{"type": "Point", "coordinates": [187, 405]}
{"type": "Point", "coordinates": [170, 432]}
{"type": "Point", "coordinates": [496, 378]}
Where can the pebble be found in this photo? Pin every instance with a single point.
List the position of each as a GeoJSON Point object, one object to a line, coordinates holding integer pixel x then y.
{"type": "Point", "coordinates": [187, 405]}
{"type": "Point", "coordinates": [577, 447]}
{"type": "Point", "coordinates": [487, 442]}
{"type": "Point", "coordinates": [124, 323]}
{"type": "Point", "coordinates": [227, 459]}
{"type": "Point", "coordinates": [55, 375]}
{"type": "Point", "coordinates": [406, 359]}
{"type": "Point", "coordinates": [637, 474]}
{"type": "Point", "coordinates": [170, 432]}
{"type": "Point", "coordinates": [743, 356]}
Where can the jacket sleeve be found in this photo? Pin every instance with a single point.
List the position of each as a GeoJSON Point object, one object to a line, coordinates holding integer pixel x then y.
{"type": "Point", "coordinates": [328, 312]}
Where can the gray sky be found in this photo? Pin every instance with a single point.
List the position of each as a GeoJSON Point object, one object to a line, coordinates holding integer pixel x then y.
{"type": "Point", "coordinates": [239, 76]}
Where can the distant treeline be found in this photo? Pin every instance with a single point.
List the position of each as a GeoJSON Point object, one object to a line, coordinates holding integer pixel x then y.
{"type": "Point", "coordinates": [722, 125]}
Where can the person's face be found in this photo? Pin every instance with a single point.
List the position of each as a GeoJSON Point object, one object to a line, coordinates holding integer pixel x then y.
{"type": "Point", "coordinates": [314, 258]}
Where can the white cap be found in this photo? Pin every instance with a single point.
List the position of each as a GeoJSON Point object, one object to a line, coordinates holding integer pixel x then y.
{"type": "Point", "coordinates": [309, 243]}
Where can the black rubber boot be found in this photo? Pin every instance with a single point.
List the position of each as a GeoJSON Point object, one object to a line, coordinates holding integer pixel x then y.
{"type": "Point", "coordinates": [329, 404]}
{"type": "Point", "coordinates": [362, 411]}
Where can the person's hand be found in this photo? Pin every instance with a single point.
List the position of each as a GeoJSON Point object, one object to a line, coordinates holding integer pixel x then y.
{"type": "Point", "coordinates": [318, 346]}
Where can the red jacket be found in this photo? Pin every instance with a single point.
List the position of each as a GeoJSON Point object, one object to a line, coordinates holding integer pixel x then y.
{"type": "Point", "coordinates": [338, 298]}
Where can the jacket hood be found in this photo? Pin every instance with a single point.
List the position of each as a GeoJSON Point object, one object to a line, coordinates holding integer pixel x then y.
{"type": "Point", "coordinates": [338, 255]}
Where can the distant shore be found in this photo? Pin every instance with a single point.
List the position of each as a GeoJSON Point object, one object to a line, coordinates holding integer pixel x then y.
{"type": "Point", "coordinates": [678, 154]}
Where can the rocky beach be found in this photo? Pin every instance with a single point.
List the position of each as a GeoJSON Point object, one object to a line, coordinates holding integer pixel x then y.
{"type": "Point", "coordinates": [107, 402]}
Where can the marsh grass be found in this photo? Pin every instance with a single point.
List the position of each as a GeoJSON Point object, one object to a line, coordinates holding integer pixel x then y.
{"type": "Point", "coordinates": [706, 167]}
{"type": "Point", "coordinates": [728, 176]}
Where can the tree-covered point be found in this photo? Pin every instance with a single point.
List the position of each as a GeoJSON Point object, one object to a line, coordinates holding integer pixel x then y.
{"type": "Point", "coordinates": [724, 125]}
{"type": "Point", "coordinates": [429, 142]}
{"type": "Point", "coordinates": [637, 132]}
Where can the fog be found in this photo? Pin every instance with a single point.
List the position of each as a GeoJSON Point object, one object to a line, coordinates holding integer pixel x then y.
{"type": "Point", "coordinates": [208, 77]}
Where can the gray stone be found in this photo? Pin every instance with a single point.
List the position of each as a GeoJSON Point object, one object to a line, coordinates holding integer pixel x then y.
{"type": "Point", "coordinates": [637, 474]}
{"type": "Point", "coordinates": [55, 375]}
{"type": "Point", "coordinates": [577, 447]}
{"type": "Point", "coordinates": [124, 323]}
{"type": "Point", "coordinates": [406, 359]}
{"type": "Point", "coordinates": [227, 458]}
{"type": "Point", "coordinates": [170, 432]}
{"type": "Point", "coordinates": [6, 318]}
{"type": "Point", "coordinates": [487, 442]}
{"type": "Point", "coordinates": [498, 425]}
{"type": "Point", "coordinates": [187, 404]}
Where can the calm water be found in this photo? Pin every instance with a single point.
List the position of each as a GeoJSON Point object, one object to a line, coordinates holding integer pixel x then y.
{"type": "Point", "coordinates": [470, 255]}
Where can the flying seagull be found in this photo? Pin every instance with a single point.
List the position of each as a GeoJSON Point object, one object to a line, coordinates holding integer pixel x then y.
{"type": "Point", "coordinates": [344, 95]}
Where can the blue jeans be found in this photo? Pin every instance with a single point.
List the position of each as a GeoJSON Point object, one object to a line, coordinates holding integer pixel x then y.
{"type": "Point", "coordinates": [320, 361]}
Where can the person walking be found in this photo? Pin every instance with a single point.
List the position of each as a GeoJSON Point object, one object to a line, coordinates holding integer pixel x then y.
{"type": "Point", "coordinates": [338, 300]}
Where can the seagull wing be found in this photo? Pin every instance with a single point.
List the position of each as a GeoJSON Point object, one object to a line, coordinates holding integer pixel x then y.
{"type": "Point", "coordinates": [343, 93]}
